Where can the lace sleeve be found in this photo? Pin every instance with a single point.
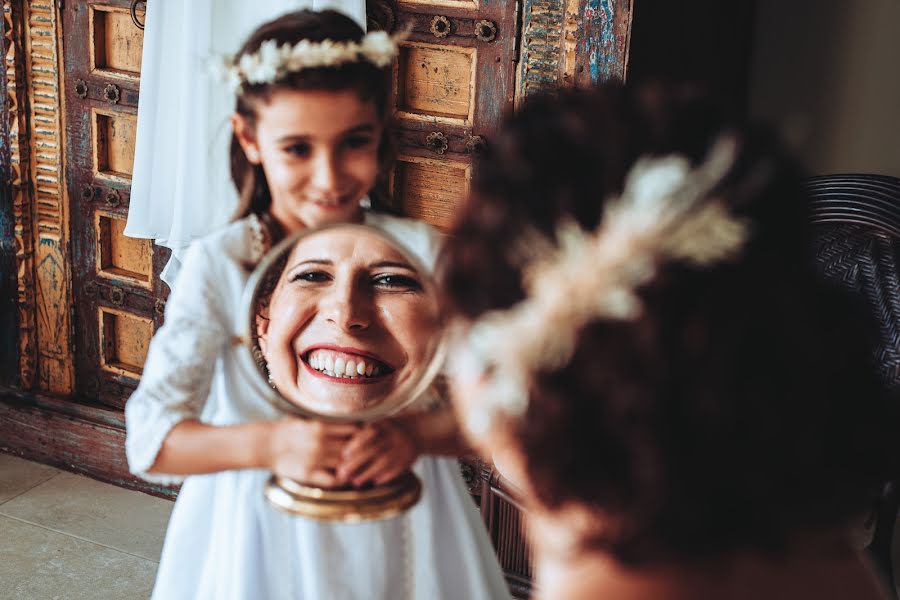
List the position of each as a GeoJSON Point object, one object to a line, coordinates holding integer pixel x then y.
{"type": "Point", "coordinates": [180, 364]}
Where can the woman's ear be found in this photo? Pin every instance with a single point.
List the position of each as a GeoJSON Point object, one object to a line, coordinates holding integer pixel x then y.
{"type": "Point", "coordinates": [246, 137]}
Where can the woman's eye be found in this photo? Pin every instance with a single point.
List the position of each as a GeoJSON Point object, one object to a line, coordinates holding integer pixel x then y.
{"type": "Point", "coordinates": [398, 282]}
{"type": "Point", "coordinates": [310, 277]}
{"type": "Point", "coordinates": [301, 150]}
{"type": "Point", "coordinates": [358, 141]}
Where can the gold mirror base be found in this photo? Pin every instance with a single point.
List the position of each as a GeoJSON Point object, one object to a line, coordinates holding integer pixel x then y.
{"type": "Point", "coordinates": [344, 506]}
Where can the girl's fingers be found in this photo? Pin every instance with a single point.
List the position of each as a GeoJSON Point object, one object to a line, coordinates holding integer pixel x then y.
{"type": "Point", "coordinates": [305, 428]}
{"type": "Point", "coordinates": [351, 466]}
{"type": "Point", "coordinates": [338, 431]}
{"type": "Point", "coordinates": [390, 474]}
{"type": "Point", "coordinates": [323, 478]}
{"type": "Point", "coordinates": [373, 470]}
{"type": "Point", "coordinates": [328, 460]}
{"type": "Point", "coordinates": [361, 442]}
{"type": "Point", "coordinates": [329, 452]}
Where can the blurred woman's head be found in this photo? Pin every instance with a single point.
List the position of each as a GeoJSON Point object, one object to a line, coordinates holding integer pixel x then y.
{"type": "Point", "coordinates": [737, 407]}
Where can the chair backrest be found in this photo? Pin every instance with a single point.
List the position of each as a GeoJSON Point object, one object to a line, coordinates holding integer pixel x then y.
{"type": "Point", "coordinates": [857, 237]}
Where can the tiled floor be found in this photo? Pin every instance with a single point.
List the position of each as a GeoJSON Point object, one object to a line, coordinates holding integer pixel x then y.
{"type": "Point", "coordinates": [66, 536]}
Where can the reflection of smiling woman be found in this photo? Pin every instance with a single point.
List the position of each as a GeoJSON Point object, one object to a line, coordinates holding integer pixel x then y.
{"type": "Point", "coordinates": [347, 322]}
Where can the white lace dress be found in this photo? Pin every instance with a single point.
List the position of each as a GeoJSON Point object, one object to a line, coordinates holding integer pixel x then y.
{"type": "Point", "coordinates": [224, 540]}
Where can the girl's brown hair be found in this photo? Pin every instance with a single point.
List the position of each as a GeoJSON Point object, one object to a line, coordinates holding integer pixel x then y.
{"type": "Point", "coordinates": [370, 82]}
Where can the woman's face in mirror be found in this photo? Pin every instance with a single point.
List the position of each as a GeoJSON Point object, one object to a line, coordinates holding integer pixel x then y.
{"type": "Point", "coordinates": [349, 320]}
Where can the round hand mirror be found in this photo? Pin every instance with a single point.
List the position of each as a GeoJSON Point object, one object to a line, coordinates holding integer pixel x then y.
{"type": "Point", "coordinates": [342, 324]}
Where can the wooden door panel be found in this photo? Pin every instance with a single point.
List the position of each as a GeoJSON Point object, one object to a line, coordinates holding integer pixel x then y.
{"type": "Point", "coordinates": [120, 257]}
{"type": "Point", "coordinates": [116, 43]}
{"type": "Point", "coordinates": [435, 83]}
{"type": "Point", "coordinates": [453, 81]}
{"type": "Point", "coordinates": [112, 141]}
{"type": "Point", "coordinates": [39, 210]}
{"type": "Point", "coordinates": [430, 189]}
{"type": "Point", "coordinates": [119, 297]}
{"type": "Point", "coordinates": [124, 340]}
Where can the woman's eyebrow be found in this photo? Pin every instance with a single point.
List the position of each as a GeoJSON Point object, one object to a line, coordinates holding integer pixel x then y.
{"type": "Point", "coordinates": [312, 261]}
{"type": "Point", "coordinates": [390, 263]}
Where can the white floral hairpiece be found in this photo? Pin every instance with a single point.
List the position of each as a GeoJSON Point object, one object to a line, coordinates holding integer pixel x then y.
{"type": "Point", "coordinates": [273, 62]}
{"type": "Point", "coordinates": [664, 213]}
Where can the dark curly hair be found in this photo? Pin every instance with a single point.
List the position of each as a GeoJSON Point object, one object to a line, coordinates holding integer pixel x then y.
{"type": "Point", "coordinates": [741, 407]}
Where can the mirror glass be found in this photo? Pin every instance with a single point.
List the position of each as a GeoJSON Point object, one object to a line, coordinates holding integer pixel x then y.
{"type": "Point", "coordinates": [342, 323]}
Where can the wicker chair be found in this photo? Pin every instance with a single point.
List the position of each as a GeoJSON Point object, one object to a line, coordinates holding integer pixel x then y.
{"type": "Point", "coordinates": [857, 227]}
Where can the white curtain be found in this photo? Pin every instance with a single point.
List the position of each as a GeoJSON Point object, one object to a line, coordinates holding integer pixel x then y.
{"type": "Point", "coordinates": [181, 188]}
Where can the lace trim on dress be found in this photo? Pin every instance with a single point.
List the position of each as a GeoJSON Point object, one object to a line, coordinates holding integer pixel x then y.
{"type": "Point", "coordinates": [259, 240]}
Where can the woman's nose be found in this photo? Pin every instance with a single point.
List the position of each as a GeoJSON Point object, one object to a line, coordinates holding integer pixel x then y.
{"type": "Point", "coordinates": [349, 308]}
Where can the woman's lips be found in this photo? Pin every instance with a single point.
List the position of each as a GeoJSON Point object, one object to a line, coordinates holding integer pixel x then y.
{"type": "Point", "coordinates": [345, 380]}
{"type": "Point", "coordinates": [345, 365]}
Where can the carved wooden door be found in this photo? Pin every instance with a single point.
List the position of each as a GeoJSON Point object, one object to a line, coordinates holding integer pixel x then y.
{"type": "Point", "coordinates": [116, 287]}
{"type": "Point", "coordinates": [454, 80]}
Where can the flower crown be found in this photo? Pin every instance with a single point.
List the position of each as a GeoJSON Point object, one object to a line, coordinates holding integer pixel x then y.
{"type": "Point", "coordinates": [665, 213]}
{"type": "Point", "coordinates": [273, 62]}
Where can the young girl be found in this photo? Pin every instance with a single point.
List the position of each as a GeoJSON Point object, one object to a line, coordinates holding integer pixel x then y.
{"type": "Point", "coordinates": [308, 147]}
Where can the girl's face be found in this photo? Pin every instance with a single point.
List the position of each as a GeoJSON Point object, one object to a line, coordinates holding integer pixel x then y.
{"type": "Point", "coordinates": [348, 322]}
{"type": "Point", "coordinates": [319, 152]}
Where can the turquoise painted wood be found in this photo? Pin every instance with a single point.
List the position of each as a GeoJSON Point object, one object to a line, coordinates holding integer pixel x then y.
{"type": "Point", "coordinates": [603, 39]}
{"type": "Point", "coordinates": [599, 30]}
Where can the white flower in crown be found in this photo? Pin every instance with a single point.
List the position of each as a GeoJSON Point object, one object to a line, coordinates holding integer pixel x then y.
{"type": "Point", "coordinates": [379, 48]}
{"type": "Point", "coordinates": [223, 69]}
{"type": "Point", "coordinates": [273, 62]}
{"type": "Point", "coordinates": [263, 66]}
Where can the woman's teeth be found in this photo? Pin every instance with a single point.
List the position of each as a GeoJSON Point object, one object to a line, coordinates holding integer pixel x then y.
{"type": "Point", "coordinates": [338, 366]}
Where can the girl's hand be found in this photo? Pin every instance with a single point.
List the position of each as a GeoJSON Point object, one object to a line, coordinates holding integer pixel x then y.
{"type": "Point", "coordinates": [308, 451]}
{"type": "Point", "coordinates": [378, 453]}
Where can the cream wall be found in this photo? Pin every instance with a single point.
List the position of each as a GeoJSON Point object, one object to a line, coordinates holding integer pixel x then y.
{"type": "Point", "coordinates": [828, 73]}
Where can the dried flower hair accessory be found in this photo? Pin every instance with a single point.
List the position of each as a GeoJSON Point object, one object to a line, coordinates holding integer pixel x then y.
{"type": "Point", "coordinates": [665, 213]}
{"type": "Point", "coordinates": [273, 62]}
